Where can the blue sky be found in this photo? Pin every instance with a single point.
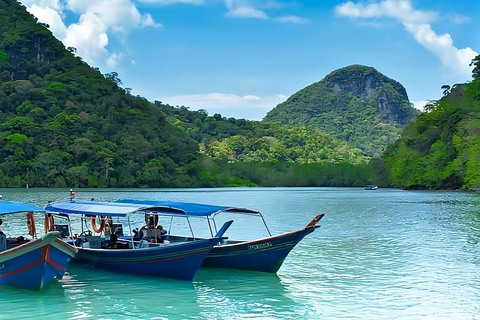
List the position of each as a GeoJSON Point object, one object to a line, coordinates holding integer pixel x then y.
{"type": "Point", "coordinates": [240, 58]}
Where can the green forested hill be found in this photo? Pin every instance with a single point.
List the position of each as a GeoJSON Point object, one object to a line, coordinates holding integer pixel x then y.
{"type": "Point", "coordinates": [357, 104]}
{"type": "Point", "coordinates": [441, 149]}
{"type": "Point", "coordinates": [239, 140]}
{"type": "Point", "coordinates": [63, 123]}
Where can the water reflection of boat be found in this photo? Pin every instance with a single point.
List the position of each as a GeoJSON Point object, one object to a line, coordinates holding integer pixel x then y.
{"type": "Point", "coordinates": [126, 296]}
{"type": "Point", "coordinates": [84, 294]}
{"type": "Point", "coordinates": [246, 294]}
{"type": "Point", "coordinates": [178, 260]}
{"type": "Point", "coordinates": [266, 254]}
{"type": "Point", "coordinates": [371, 187]}
{"type": "Point", "coordinates": [31, 263]}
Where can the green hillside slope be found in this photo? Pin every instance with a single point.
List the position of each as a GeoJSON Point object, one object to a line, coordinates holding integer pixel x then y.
{"type": "Point", "coordinates": [63, 123]}
{"type": "Point", "coordinates": [357, 104]}
{"type": "Point", "coordinates": [441, 149]}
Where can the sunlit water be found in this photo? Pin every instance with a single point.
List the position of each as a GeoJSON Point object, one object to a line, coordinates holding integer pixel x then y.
{"type": "Point", "coordinates": [383, 254]}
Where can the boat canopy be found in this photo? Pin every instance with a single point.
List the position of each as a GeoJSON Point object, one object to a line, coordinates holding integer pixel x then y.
{"type": "Point", "coordinates": [96, 208]}
{"type": "Point", "coordinates": [190, 209]}
{"type": "Point", "coordinates": [16, 207]}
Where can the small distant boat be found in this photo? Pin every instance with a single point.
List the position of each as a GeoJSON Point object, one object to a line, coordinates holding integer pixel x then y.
{"type": "Point", "coordinates": [128, 254]}
{"type": "Point", "coordinates": [31, 263]}
{"type": "Point", "coordinates": [371, 187]}
{"type": "Point", "coordinates": [265, 254]}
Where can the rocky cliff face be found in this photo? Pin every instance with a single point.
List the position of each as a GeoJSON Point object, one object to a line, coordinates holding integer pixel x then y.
{"type": "Point", "coordinates": [356, 103]}
{"type": "Point", "coordinates": [366, 82]}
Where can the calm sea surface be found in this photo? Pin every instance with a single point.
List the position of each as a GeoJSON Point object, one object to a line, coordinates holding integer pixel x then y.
{"type": "Point", "coordinates": [383, 254]}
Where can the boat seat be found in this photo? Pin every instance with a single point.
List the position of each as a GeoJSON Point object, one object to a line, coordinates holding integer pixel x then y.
{"type": "Point", "coordinates": [144, 244]}
{"type": "Point", "coordinates": [3, 242]}
{"type": "Point", "coordinates": [63, 229]}
{"type": "Point", "coordinates": [95, 242]}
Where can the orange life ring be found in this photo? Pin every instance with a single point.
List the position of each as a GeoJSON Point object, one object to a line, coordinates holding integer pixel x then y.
{"type": "Point", "coordinates": [31, 224]}
{"type": "Point", "coordinates": [94, 224]}
{"type": "Point", "coordinates": [48, 223]}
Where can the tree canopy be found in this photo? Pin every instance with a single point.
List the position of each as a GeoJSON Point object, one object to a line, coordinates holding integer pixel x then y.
{"type": "Point", "coordinates": [441, 149]}
{"type": "Point", "coordinates": [63, 123]}
{"type": "Point", "coordinates": [356, 104]}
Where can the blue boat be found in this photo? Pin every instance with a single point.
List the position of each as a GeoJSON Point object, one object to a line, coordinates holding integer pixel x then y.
{"type": "Point", "coordinates": [103, 248]}
{"type": "Point", "coordinates": [31, 263]}
{"type": "Point", "coordinates": [265, 254]}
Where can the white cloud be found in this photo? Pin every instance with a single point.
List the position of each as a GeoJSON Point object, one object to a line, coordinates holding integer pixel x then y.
{"type": "Point", "coordinates": [113, 60]}
{"type": "Point", "coordinates": [292, 19]}
{"type": "Point", "coordinates": [248, 106]}
{"type": "Point", "coordinates": [399, 9]}
{"type": "Point", "coordinates": [257, 9]}
{"type": "Point", "coordinates": [51, 17]}
{"type": "Point", "coordinates": [116, 15]}
{"type": "Point", "coordinates": [54, 4]}
{"type": "Point", "coordinates": [247, 12]}
{"type": "Point", "coordinates": [420, 104]}
{"type": "Point", "coordinates": [148, 21]}
{"type": "Point", "coordinates": [89, 37]}
{"type": "Point", "coordinates": [458, 18]}
{"type": "Point", "coordinates": [442, 45]}
{"type": "Point", "coordinates": [167, 2]}
{"type": "Point", "coordinates": [97, 20]}
{"type": "Point", "coordinates": [243, 9]}
{"type": "Point", "coordinates": [416, 22]}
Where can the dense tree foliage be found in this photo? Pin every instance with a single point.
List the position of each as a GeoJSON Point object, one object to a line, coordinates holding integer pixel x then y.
{"type": "Point", "coordinates": [252, 141]}
{"type": "Point", "coordinates": [441, 149]}
{"type": "Point", "coordinates": [302, 175]}
{"type": "Point", "coordinates": [356, 104]}
{"type": "Point", "coordinates": [63, 123]}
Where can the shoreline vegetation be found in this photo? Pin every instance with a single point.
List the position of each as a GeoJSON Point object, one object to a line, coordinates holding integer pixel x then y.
{"type": "Point", "coordinates": [65, 124]}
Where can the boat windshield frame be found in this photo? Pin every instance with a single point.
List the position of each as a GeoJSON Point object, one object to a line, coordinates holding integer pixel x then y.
{"type": "Point", "coordinates": [195, 210]}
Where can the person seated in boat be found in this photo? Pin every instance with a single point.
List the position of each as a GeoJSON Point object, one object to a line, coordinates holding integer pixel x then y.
{"type": "Point", "coordinates": [158, 233]}
{"type": "Point", "coordinates": [151, 222]}
{"type": "Point", "coordinates": [147, 231]}
{"type": "Point", "coordinates": [137, 236]}
{"type": "Point", "coordinates": [1, 222]}
{"type": "Point", "coordinates": [107, 229]}
{"type": "Point", "coordinates": [143, 233]}
{"type": "Point", "coordinates": [11, 240]}
{"type": "Point", "coordinates": [19, 240]}
{"type": "Point", "coordinates": [113, 241]}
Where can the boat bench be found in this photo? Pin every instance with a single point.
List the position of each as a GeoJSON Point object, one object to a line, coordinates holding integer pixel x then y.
{"type": "Point", "coordinates": [95, 242]}
{"type": "Point", "coordinates": [63, 229]}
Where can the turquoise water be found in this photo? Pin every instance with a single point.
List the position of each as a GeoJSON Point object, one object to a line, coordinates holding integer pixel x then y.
{"type": "Point", "coordinates": [384, 254]}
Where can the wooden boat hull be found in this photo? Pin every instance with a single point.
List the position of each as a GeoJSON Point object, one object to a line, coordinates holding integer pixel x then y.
{"type": "Point", "coordinates": [177, 261]}
{"type": "Point", "coordinates": [265, 255]}
{"type": "Point", "coordinates": [36, 263]}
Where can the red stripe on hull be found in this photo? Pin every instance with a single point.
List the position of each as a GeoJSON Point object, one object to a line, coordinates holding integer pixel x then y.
{"type": "Point", "coordinates": [45, 257]}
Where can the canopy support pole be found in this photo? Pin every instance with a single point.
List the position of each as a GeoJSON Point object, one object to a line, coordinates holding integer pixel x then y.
{"type": "Point", "coordinates": [266, 227]}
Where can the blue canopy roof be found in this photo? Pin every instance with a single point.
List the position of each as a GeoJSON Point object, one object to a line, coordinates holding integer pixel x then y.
{"type": "Point", "coordinates": [96, 208]}
{"type": "Point", "coordinates": [191, 209]}
{"type": "Point", "coordinates": [15, 207]}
